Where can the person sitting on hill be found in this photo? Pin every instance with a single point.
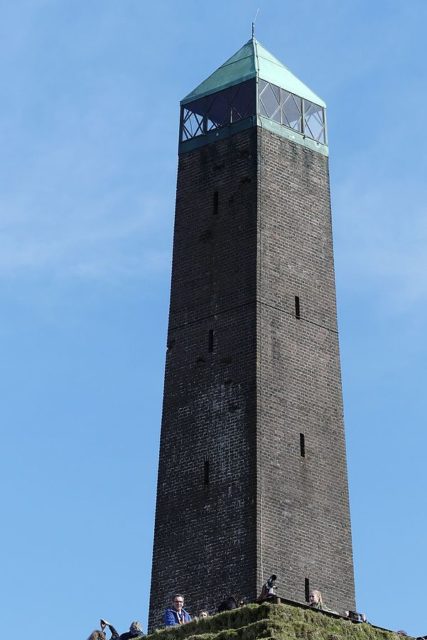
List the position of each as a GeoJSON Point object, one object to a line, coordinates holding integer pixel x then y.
{"type": "Point", "coordinates": [354, 616]}
{"type": "Point", "coordinates": [135, 631]}
{"type": "Point", "coordinates": [315, 600]}
{"type": "Point", "coordinates": [228, 604]}
{"type": "Point", "coordinates": [268, 591]}
{"type": "Point", "coordinates": [176, 614]}
{"type": "Point", "coordinates": [97, 635]}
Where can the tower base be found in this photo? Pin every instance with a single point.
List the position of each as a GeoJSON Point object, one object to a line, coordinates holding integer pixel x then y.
{"type": "Point", "coordinates": [274, 622]}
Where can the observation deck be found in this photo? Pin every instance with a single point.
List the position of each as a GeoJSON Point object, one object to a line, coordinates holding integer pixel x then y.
{"type": "Point", "coordinates": [253, 88]}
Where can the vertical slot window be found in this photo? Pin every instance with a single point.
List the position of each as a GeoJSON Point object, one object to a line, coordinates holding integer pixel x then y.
{"type": "Point", "coordinates": [215, 203]}
{"type": "Point", "coordinates": [206, 471]}
{"type": "Point", "coordinates": [307, 590]}
{"type": "Point", "coordinates": [302, 444]}
{"type": "Point", "coordinates": [211, 341]}
{"type": "Point", "coordinates": [297, 308]}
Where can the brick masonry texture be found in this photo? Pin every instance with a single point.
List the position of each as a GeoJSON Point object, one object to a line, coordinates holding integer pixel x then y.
{"type": "Point", "coordinates": [303, 522]}
{"type": "Point", "coordinates": [236, 400]}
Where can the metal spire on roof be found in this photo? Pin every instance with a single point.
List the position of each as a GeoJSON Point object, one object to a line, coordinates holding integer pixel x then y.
{"type": "Point", "coordinates": [253, 23]}
{"type": "Point", "coordinates": [252, 61]}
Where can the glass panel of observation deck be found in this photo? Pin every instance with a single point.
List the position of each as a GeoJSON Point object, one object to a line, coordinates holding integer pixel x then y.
{"type": "Point", "coordinates": [291, 111]}
{"type": "Point", "coordinates": [314, 121]}
{"type": "Point", "coordinates": [269, 101]}
{"type": "Point", "coordinates": [217, 110]}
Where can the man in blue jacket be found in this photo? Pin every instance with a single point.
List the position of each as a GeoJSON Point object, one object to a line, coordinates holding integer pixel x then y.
{"type": "Point", "coordinates": [176, 614]}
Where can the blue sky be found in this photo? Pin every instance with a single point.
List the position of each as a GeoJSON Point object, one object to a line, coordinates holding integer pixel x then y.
{"type": "Point", "coordinates": [88, 128]}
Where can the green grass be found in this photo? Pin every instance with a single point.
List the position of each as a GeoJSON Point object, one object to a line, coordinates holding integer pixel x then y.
{"type": "Point", "coordinates": [272, 622]}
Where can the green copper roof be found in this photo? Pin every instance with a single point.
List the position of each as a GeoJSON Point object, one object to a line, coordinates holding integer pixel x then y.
{"type": "Point", "coordinates": [252, 61]}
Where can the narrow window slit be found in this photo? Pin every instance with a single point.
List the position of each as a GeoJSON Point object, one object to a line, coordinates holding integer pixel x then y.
{"type": "Point", "coordinates": [215, 202]}
{"type": "Point", "coordinates": [211, 341]}
{"type": "Point", "coordinates": [302, 444]}
{"type": "Point", "coordinates": [206, 472]}
{"type": "Point", "coordinates": [297, 308]}
{"type": "Point", "coordinates": [307, 590]}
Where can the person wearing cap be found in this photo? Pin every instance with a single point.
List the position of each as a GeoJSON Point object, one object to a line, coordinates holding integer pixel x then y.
{"type": "Point", "coordinates": [135, 631]}
{"type": "Point", "coordinates": [176, 614]}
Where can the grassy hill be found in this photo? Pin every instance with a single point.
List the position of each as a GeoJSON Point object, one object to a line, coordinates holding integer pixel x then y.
{"type": "Point", "coordinates": [273, 622]}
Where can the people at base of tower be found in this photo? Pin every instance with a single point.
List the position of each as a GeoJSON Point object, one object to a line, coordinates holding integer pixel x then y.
{"type": "Point", "coordinates": [176, 614]}
{"type": "Point", "coordinates": [202, 614]}
{"type": "Point", "coordinates": [97, 635]}
{"type": "Point", "coordinates": [268, 590]}
{"type": "Point", "coordinates": [315, 600]}
{"type": "Point", "coordinates": [135, 631]}
{"type": "Point", "coordinates": [354, 616]}
{"type": "Point", "coordinates": [228, 604]}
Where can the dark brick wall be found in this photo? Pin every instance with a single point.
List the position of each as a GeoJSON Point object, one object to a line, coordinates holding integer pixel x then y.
{"type": "Point", "coordinates": [303, 512]}
{"type": "Point", "coordinates": [268, 378]}
{"type": "Point", "coordinates": [205, 534]}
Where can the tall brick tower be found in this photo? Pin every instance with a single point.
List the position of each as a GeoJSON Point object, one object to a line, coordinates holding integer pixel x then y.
{"type": "Point", "coordinates": [252, 474]}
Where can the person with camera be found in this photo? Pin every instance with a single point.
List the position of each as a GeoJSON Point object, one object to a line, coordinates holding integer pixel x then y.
{"type": "Point", "coordinates": [176, 614]}
{"type": "Point", "coordinates": [268, 590]}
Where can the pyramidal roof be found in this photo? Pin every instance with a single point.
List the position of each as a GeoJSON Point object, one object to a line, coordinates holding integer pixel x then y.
{"type": "Point", "coordinates": [252, 61]}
